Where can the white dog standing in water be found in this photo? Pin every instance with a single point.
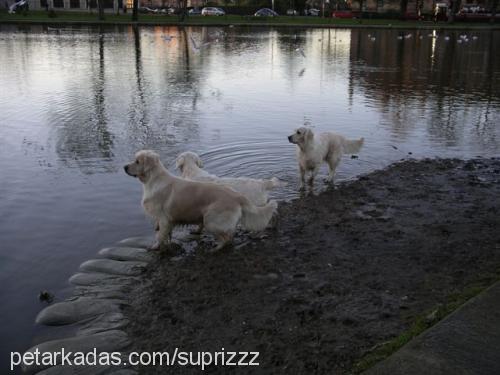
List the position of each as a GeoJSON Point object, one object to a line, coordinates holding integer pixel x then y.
{"type": "Point", "coordinates": [256, 190]}
{"type": "Point", "coordinates": [172, 201]}
{"type": "Point", "coordinates": [314, 150]}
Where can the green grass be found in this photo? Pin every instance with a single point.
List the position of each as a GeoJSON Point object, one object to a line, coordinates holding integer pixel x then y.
{"type": "Point", "coordinates": [147, 19]}
{"type": "Point", "coordinates": [423, 322]}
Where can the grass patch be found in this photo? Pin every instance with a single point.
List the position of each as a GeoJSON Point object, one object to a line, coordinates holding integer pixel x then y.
{"type": "Point", "coordinates": [383, 350]}
{"type": "Point", "coordinates": [151, 19]}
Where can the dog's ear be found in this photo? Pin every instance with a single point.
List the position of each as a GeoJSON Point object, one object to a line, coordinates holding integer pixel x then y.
{"type": "Point", "coordinates": [309, 135]}
{"type": "Point", "coordinates": [199, 162]}
{"type": "Point", "coordinates": [150, 160]}
{"type": "Point", "coordinates": [179, 163]}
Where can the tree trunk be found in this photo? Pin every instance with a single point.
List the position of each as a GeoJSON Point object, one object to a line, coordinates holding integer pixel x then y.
{"type": "Point", "coordinates": [135, 11]}
{"type": "Point", "coordinates": [454, 10]}
{"type": "Point", "coordinates": [493, 11]}
{"type": "Point", "coordinates": [100, 5]}
{"type": "Point", "coordinates": [115, 7]}
{"type": "Point", "coordinates": [403, 5]}
{"type": "Point", "coordinates": [182, 6]}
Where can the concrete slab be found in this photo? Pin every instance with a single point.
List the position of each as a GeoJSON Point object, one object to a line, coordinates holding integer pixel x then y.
{"type": "Point", "coordinates": [465, 342]}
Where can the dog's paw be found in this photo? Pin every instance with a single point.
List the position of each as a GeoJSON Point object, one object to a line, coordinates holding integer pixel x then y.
{"type": "Point", "coordinates": [155, 247]}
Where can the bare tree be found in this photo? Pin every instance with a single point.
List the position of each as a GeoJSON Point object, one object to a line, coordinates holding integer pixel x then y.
{"type": "Point", "coordinates": [403, 5]}
{"type": "Point", "coordinates": [182, 6]}
{"type": "Point", "coordinates": [100, 5]}
{"type": "Point", "coordinates": [454, 8]}
{"type": "Point", "coordinates": [494, 5]}
{"type": "Point", "coordinates": [135, 11]}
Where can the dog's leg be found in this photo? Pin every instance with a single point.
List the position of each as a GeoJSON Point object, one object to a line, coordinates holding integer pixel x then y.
{"type": "Point", "coordinates": [223, 240]}
{"type": "Point", "coordinates": [302, 178]}
{"type": "Point", "coordinates": [163, 235]}
{"type": "Point", "coordinates": [314, 172]}
{"type": "Point", "coordinates": [333, 162]}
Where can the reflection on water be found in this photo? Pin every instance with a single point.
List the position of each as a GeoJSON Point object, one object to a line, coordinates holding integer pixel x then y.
{"type": "Point", "coordinates": [76, 104]}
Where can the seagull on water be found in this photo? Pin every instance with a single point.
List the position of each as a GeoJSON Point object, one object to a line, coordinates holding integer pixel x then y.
{"type": "Point", "coordinates": [301, 52]}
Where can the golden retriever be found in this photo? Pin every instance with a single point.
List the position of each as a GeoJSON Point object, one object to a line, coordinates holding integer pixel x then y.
{"type": "Point", "coordinates": [190, 165]}
{"type": "Point", "coordinates": [172, 201]}
{"type": "Point", "coordinates": [313, 150]}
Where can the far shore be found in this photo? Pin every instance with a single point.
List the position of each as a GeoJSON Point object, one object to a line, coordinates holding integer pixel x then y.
{"type": "Point", "coordinates": [90, 19]}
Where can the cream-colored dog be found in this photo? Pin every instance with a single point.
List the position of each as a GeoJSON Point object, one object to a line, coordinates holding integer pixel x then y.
{"type": "Point", "coordinates": [172, 201]}
{"type": "Point", "coordinates": [254, 189]}
{"type": "Point", "coordinates": [314, 150]}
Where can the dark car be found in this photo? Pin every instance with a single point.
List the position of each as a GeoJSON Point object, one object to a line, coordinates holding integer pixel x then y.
{"type": "Point", "coordinates": [266, 12]}
{"type": "Point", "coordinates": [194, 12]}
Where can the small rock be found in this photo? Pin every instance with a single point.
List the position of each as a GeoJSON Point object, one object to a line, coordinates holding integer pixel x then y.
{"type": "Point", "coordinates": [113, 267]}
{"type": "Point", "coordinates": [69, 312]}
{"type": "Point", "coordinates": [126, 253]}
{"type": "Point", "coordinates": [110, 341]}
{"type": "Point", "coordinates": [91, 279]}
{"type": "Point", "coordinates": [106, 322]}
{"type": "Point", "coordinates": [45, 296]}
{"type": "Point", "coordinates": [142, 242]}
{"type": "Point", "coordinates": [354, 156]}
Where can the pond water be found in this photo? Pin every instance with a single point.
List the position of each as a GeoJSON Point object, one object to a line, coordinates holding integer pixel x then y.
{"type": "Point", "coordinates": [75, 104]}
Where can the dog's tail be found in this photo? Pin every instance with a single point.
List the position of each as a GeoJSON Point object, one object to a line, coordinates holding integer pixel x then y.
{"type": "Point", "coordinates": [256, 218]}
{"type": "Point", "coordinates": [273, 183]}
{"type": "Point", "coordinates": [353, 147]}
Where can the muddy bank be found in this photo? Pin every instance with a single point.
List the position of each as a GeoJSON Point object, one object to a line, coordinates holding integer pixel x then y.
{"type": "Point", "coordinates": [341, 271]}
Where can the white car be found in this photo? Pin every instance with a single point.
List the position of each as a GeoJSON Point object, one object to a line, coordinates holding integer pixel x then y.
{"type": "Point", "coordinates": [312, 12]}
{"type": "Point", "coordinates": [212, 11]}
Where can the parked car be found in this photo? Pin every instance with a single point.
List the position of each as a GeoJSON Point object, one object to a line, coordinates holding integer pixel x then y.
{"type": "Point", "coordinates": [266, 12]}
{"type": "Point", "coordinates": [292, 12]}
{"type": "Point", "coordinates": [148, 10]}
{"type": "Point", "coordinates": [212, 11]}
{"type": "Point", "coordinates": [312, 12]}
{"type": "Point", "coordinates": [194, 12]}
{"type": "Point", "coordinates": [471, 12]}
{"type": "Point", "coordinates": [168, 11]}
{"type": "Point", "coordinates": [344, 14]}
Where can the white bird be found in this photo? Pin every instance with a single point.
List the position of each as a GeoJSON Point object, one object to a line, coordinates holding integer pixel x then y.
{"type": "Point", "coordinates": [474, 37]}
{"type": "Point", "coordinates": [459, 41]}
{"type": "Point", "coordinates": [400, 37]}
{"type": "Point", "coordinates": [373, 39]}
{"type": "Point", "coordinates": [301, 52]}
{"type": "Point", "coordinates": [446, 38]}
{"type": "Point", "coordinates": [408, 36]}
{"type": "Point", "coordinates": [196, 46]}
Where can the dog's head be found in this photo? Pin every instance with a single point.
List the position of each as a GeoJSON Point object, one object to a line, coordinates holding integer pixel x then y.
{"type": "Point", "coordinates": [187, 159]}
{"type": "Point", "coordinates": [145, 162]}
{"type": "Point", "coordinates": [301, 136]}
